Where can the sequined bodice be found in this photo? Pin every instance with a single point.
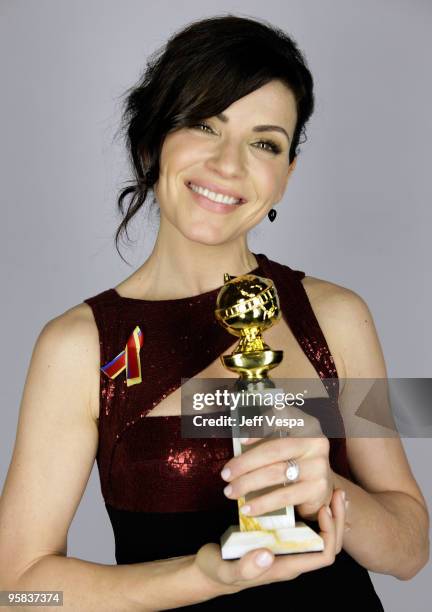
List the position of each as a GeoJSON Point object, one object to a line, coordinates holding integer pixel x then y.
{"type": "Point", "coordinates": [137, 455]}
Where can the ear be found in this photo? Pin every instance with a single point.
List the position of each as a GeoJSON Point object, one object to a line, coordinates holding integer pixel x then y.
{"type": "Point", "coordinates": [288, 174]}
{"type": "Point", "coordinates": [292, 165]}
{"type": "Point", "coordinates": [290, 169]}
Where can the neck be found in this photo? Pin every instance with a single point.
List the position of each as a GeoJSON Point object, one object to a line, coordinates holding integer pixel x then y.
{"type": "Point", "coordinates": [182, 268]}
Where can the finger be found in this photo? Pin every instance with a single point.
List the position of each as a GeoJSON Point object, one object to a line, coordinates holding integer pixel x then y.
{"type": "Point", "coordinates": [298, 422]}
{"type": "Point", "coordinates": [291, 421]}
{"type": "Point", "coordinates": [311, 469]}
{"type": "Point", "coordinates": [270, 451]}
{"type": "Point", "coordinates": [250, 567]}
{"type": "Point", "coordinates": [306, 425]}
{"type": "Point", "coordinates": [287, 567]}
{"type": "Point", "coordinates": [247, 441]}
{"type": "Point", "coordinates": [291, 495]}
{"type": "Point", "coordinates": [338, 509]}
{"type": "Point", "coordinates": [298, 412]}
{"type": "Point", "coordinates": [327, 524]}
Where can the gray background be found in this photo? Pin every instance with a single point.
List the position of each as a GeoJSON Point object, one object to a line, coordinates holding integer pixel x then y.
{"type": "Point", "coordinates": [357, 211]}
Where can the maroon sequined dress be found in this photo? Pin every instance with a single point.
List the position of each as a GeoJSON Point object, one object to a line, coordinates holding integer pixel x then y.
{"type": "Point", "coordinates": [154, 481]}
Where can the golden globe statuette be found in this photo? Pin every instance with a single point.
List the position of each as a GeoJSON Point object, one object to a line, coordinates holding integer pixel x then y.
{"type": "Point", "coordinates": [246, 306]}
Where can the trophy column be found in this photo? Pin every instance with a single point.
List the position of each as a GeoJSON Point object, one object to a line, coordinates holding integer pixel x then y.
{"type": "Point", "coordinates": [246, 306]}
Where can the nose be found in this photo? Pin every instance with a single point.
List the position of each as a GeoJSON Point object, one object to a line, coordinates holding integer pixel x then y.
{"type": "Point", "coordinates": [227, 160]}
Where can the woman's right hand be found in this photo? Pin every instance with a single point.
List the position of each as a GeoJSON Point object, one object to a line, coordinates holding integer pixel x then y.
{"type": "Point", "coordinates": [235, 575]}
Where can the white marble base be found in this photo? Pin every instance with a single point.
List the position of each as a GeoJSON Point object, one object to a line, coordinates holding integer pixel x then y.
{"type": "Point", "coordinates": [301, 538]}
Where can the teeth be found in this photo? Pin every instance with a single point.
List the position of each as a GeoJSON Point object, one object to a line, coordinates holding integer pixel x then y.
{"type": "Point", "coordinates": [211, 195]}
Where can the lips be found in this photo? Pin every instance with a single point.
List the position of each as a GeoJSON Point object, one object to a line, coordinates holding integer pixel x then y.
{"type": "Point", "coordinates": [217, 189]}
{"type": "Point", "coordinates": [214, 207]}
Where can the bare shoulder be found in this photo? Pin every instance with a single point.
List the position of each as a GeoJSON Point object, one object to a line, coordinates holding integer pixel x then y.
{"type": "Point", "coordinates": [334, 301]}
{"type": "Point", "coordinates": [320, 290]}
{"type": "Point", "coordinates": [348, 326]}
{"type": "Point", "coordinates": [72, 337]}
{"type": "Point", "coordinates": [75, 325]}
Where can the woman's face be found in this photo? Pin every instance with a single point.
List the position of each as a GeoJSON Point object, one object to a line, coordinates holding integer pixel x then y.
{"type": "Point", "coordinates": [228, 155]}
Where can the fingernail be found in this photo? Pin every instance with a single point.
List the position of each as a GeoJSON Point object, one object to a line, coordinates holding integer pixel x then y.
{"type": "Point", "coordinates": [329, 511]}
{"type": "Point", "coordinates": [346, 504]}
{"type": "Point", "coordinates": [264, 559]}
{"type": "Point", "coordinates": [228, 490]}
{"type": "Point", "coordinates": [243, 440]}
{"type": "Point", "coordinates": [343, 495]}
{"type": "Point", "coordinates": [226, 473]}
{"type": "Point", "coordinates": [245, 509]}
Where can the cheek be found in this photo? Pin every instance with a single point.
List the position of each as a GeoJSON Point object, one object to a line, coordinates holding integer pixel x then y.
{"type": "Point", "coordinates": [173, 157]}
{"type": "Point", "coordinates": [177, 153]}
{"type": "Point", "coordinates": [268, 180]}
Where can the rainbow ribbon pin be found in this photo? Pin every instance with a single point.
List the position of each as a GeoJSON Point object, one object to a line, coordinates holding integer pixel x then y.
{"type": "Point", "coordinates": [127, 360]}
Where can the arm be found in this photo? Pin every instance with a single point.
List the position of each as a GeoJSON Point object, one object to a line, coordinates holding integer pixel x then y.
{"type": "Point", "coordinates": [387, 514]}
{"type": "Point", "coordinates": [54, 453]}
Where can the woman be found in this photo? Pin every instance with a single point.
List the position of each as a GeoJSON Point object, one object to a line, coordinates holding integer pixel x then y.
{"type": "Point", "coordinates": [213, 130]}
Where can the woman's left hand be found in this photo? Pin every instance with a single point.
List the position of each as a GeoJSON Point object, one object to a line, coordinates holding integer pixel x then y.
{"type": "Point", "coordinates": [264, 465]}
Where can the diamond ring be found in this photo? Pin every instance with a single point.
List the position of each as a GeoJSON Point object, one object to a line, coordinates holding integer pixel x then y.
{"type": "Point", "coordinates": [292, 471]}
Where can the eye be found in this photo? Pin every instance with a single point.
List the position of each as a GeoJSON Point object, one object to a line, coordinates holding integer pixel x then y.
{"type": "Point", "coordinates": [202, 125]}
{"type": "Point", "coordinates": [270, 145]}
{"type": "Point", "coordinates": [273, 147]}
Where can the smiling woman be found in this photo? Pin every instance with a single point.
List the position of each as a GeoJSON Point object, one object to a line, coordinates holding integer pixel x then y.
{"type": "Point", "coordinates": [213, 129]}
{"type": "Point", "coordinates": [228, 169]}
{"type": "Point", "coordinates": [234, 131]}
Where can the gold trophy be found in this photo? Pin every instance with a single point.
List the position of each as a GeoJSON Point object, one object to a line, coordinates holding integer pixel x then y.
{"type": "Point", "coordinates": [246, 306]}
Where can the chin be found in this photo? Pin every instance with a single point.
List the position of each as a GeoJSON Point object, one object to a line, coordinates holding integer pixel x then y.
{"type": "Point", "coordinates": [204, 234]}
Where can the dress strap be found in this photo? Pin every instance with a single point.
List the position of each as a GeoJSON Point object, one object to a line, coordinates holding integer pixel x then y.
{"type": "Point", "coordinates": [299, 314]}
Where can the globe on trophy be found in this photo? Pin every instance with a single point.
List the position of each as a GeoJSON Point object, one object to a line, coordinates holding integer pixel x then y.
{"type": "Point", "coordinates": [246, 306]}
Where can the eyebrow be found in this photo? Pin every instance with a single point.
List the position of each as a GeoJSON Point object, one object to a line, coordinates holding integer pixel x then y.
{"type": "Point", "coordinates": [259, 128]}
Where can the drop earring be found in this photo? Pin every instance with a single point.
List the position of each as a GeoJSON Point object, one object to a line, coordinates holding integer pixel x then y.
{"type": "Point", "coordinates": [272, 215]}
